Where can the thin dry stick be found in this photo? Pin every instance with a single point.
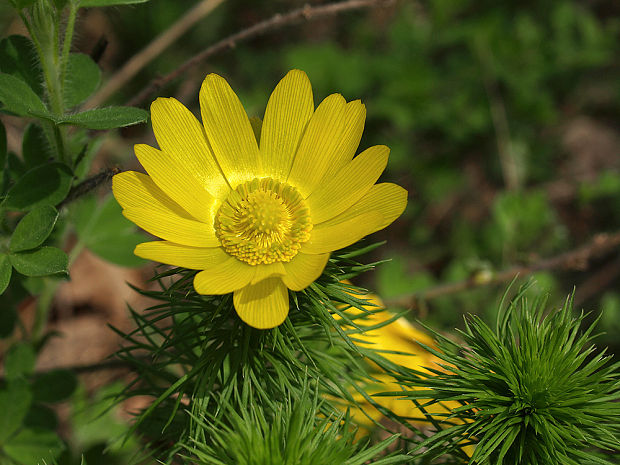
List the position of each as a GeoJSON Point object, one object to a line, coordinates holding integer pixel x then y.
{"type": "Point", "coordinates": [307, 13]}
{"type": "Point", "coordinates": [155, 48]}
{"type": "Point", "coordinates": [89, 185]}
{"type": "Point", "coordinates": [577, 259]}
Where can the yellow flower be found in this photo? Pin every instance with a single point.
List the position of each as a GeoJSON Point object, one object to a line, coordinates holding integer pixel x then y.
{"type": "Point", "coordinates": [398, 336]}
{"type": "Point", "coordinates": [257, 216]}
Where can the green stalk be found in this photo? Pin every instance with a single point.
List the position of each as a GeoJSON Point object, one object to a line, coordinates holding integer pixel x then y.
{"type": "Point", "coordinates": [66, 43]}
{"type": "Point", "coordinates": [45, 33]}
{"type": "Point", "coordinates": [54, 61]}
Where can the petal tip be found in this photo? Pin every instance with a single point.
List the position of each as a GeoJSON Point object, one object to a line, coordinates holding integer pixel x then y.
{"type": "Point", "coordinates": [138, 250]}
{"type": "Point", "coordinates": [264, 305]}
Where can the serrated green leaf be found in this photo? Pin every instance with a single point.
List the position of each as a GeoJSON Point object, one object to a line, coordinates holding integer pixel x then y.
{"type": "Point", "coordinates": [44, 185]}
{"type": "Point", "coordinates": [82, 79]}
{"type": "Point", "coordinates": [35, 148]}
{"type": "Point", "coordinates": [91, 3]}
{"type": "Point", "coordinates": [33, 228]}
{"type": "Point", "coordinates": [20, 360]}
{"type": "Point", "coordinates": [19, 98]}
{"type": "Point", "coordinates": [106, 232]}
{"type": "Point", "coordinates": [40, 262]}
{"type": "Point", "coordinates": [5, 272]}
{"type": "Point", "coordinates": [106, 118]}
{"type": "Point", "coordinates": [18, 58]}
{"type": "Point", "coordinates": [15, 401]}
{"type": "Point", "coordinates": [54, 386]}
{"type": "Point", "coordinates": [34, 446]}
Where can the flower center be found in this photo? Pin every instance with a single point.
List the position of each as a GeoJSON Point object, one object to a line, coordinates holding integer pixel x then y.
{"type": "Point", "coordinates": [263, 221]}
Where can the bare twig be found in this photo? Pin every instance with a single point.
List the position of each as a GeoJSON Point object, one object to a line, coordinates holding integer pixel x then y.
{"type": "Point", "coordinates": [577, 259]}
{"type": "Point", "coordinates": [89, 184]}
{"type": "Point", "coordinates": [146, 55]}
{"type": "Point", "coordinates": [595, 283]}
{"type": "Point", "coordinates": [306, 13]}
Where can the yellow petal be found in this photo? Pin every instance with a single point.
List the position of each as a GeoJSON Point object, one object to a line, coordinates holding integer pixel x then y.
{"type": "Point", "coordinates": [263, 305]}
{"type": "Point", "coordinates": [226, 277]}
{"type": "Point", "coordinates": [303, 270]}
{"type": "Point", "coordinates": [354, 117]}
{"type": "Point", "coordinates": [180, 136]}
{"type": "Point", "coordinates": [333, 236]}
{"type": "Point", "coordinates": [172, 227]}
{"type": "Point", "coordinates": [318, 146]}
{"type": "Point", "coordinates": [353, 180]}
{"type": "Point", "coordinates": [147, 206]}
{"type": "Point", "coordinates": [381, 205]}
{"type": "Point", "coordinates": [194, 258]}
{"type": "Point", "coordinates": [229, 131]}
{"type": "Point", "coordinates": [386, 198]}
{"type": "Point", "coordinates": [176, 183]}
{"type": "Point", "coordinates": [132, 189]}
{"type": "Point", "coordinates": [268, 271]}
{"type": "Point", "coordinates": [288, 112]}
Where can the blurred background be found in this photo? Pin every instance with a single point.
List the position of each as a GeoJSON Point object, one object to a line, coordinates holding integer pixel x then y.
{"type": "Point", "coordinates": [502, 118]}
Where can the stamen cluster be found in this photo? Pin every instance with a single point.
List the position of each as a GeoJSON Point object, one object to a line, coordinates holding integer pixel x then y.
{"type": "Point", "coordinates": [263, 221]}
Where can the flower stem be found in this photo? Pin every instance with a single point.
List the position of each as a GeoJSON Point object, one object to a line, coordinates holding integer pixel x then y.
{"type": "Point", "coordinates": [44, 29]}
{"type": "Point", "coordinates": [66, 43]}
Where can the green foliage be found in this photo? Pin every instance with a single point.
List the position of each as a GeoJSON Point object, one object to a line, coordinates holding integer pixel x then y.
{"type": "Point", "coordinates": [46, 184]}
{"type": "Point", "coordinates": [54, 386]}
{"type": "Point", "coordinates": [20, 360]}
{"type": "Point", "coordinates": [5, 273]}
{"type": "Point", "coordinates": [533, 390]}
{"type": "Point", "coordinates": [3, 148]}
{"type": "Point", "coordinates": [106, 232]}
{"type": "Point", "coordinates": [20, 99]}
{"type": "Point", "coordinates": [92, 3]}
{"type": "Point", "coordinates": [40, 262]}
{"type": "Point", "coordinates": [395, 280]}
{"type": "Point", "coordinates": [82, 79]}
{"type": "Point", "coordinates": [33, 445]}
{"type": "Point", "coordinates": [27, 425]}
{"type": "Point", "coordinates": [35, 147]}
{"type": "Point", "coordinates": [520, 222]}
{"type": "Point", "coordinates": [14, 401]}
{"type": "Point", "coordinates": [195, 347]}
{"type": "Point", "coordinates": [18, 58]}
{"type": "Point", "coordinates": [292, 434]}
{"type": "Point", "coordinates": [106, 118]}
{"type": "Point", "coordinates": [98, 423]}
{"type": "Point", "coordinates": [33, 228]}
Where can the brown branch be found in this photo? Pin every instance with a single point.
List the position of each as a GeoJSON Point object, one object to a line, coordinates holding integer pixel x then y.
{"type": "Point", "coordinates": [596, 282]}
{"type": "Point", "coordinates": [306, 13]}
{"type": "Point", "coordinates": [89, 185]}
{"type": "Point", "coordinates": [577, 259]}
{"type": "Point", "coordinates": [151, 51]}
